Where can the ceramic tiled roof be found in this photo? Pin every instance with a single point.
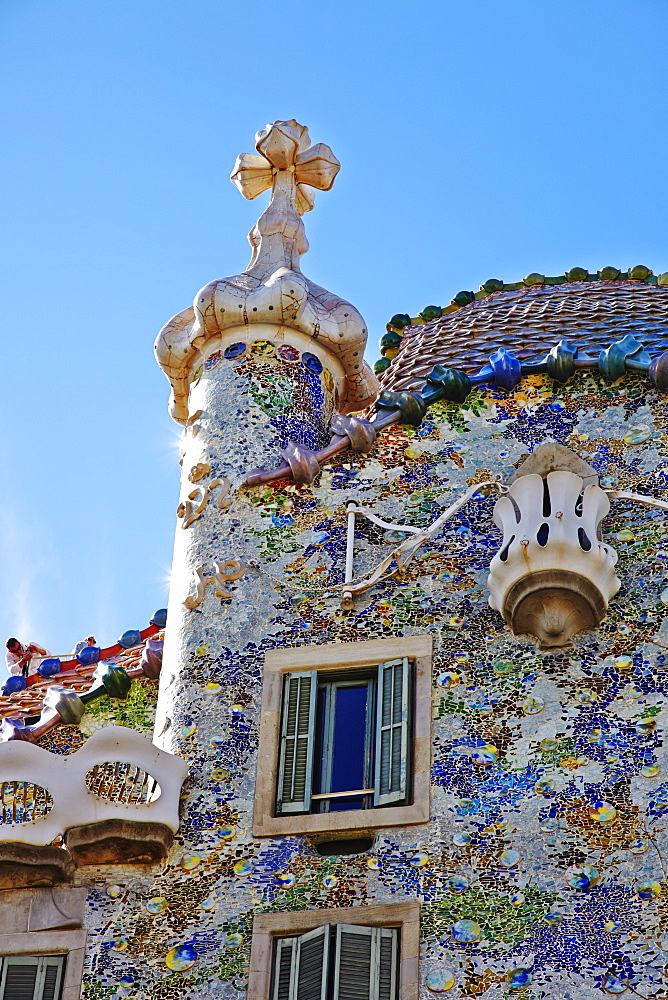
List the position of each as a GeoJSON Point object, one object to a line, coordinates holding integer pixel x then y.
{"type": "Point", "coordinates": [529, 322]}
{"type": "Point", "coordinates": [28, 702]}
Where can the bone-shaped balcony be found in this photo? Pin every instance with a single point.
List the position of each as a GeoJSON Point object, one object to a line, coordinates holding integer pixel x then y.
{"type": "Point", "coordinates": [115, 800]}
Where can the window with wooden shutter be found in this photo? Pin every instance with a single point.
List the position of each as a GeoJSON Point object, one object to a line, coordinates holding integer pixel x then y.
{"type": "Point", "coordinates": [295, 777]}
{"type": "Point", "coordinates": [301, 966]}
{"type": "Point", "coordinates": [388, 963]}
{"type": "Point", "coordinates": [365, 963]}
{"type": "Point", "coordinates": [312, 965]}
{"type": "Point", "coordinates": [337, 962]}
{"type": "Point", "coordinates": [31, 977]}
{"type": "Point", "coordinates": [284, 968]}
{"type": "Point", "coordinates": [345, 739]}
{"type": "Point", "coordinates": [392, 732]}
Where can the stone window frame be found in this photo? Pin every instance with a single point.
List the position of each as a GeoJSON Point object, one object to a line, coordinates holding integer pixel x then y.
{"type": "Point", "coordinates": [267, 926]}
{"type": "Point", "coordinates": [69, 943]}
{"type": "Point", "coordinates": [342, 656]}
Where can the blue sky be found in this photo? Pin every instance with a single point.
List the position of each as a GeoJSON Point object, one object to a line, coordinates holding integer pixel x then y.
{"type": "Point", "coordinates": [477, 140]}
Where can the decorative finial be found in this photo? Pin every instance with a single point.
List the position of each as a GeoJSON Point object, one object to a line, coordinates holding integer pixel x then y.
{"type": "Point", "coordinates": [289, 165]}
{"type": "Point", "coordinates": [272, 294]}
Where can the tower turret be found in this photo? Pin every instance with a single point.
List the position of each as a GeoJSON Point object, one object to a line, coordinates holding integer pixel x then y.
{"type": "Point", "coordinates": [271, 318]}
{"type": "Point", "coordinates": [259, 365]}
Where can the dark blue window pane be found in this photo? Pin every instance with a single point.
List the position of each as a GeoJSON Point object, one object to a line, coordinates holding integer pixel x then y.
{"type": "Point", "coordinates": [319, 736]}
{"type": "Point", "coordinates": [348, 763]}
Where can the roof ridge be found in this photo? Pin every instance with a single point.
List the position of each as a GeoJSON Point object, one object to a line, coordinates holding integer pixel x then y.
{"type": "Point", "coordinates": [390, 342]}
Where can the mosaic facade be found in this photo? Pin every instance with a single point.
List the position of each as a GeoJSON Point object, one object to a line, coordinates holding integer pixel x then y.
{"type": "Point", "coordinates": [541, 873]}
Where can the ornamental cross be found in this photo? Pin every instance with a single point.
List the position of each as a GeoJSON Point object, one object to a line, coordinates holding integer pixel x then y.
{"type": "Point", "coordinates": [285, 148]}
{"type": "Point", "coordinates": [289, 165]}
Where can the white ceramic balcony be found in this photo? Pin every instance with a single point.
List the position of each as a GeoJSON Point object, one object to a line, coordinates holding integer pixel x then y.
{"type": "Point", "coordinates": [115, 799]}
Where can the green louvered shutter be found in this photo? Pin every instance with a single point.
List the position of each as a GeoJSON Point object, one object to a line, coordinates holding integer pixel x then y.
{"type": "Point", "coordinates": [388, 971]}
{"type": "Point", "coordinates": [285, 957]}
{"type": "Point", "coordinates": [297, 739]}
{"type": "Point", "coordinates": [365, 966]}
{"type": "Point", "coordinates": [53, 973]}
{"type": "Point", "coordinates": [31, 977]}
{"type": "Point", "coordinates": [392, 729]}
{"type": "Point", "coordinates": [301, 966]}
{"type": "Point", "coordinates": [313, 962]}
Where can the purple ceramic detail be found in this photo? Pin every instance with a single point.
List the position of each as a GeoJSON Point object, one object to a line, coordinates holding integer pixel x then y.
{"type": "Point", "coordinates": [287, 352]}
{"type": "Point", "coordinates": [212, 361]}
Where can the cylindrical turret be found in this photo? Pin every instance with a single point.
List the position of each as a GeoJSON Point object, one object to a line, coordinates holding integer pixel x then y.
{"type": "Point", "coordinates": [259, 366]}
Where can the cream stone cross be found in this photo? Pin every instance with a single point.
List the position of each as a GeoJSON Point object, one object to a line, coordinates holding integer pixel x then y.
{"type": "Point", "coordinates": [286, 154]}
{"type": "Point", "coordinates": [289, 165]}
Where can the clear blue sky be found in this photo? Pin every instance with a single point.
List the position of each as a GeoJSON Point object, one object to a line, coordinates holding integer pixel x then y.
{"type": "Point", "coordinates": [478, 139]}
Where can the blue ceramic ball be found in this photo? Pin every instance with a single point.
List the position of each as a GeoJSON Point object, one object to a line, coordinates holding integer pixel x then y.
{"type": "Point", "coordinates": [88, 655]}
{"type": "Point", "coordinates": [49, 667]}
{"type": "Point", "coordinates": [130, 638]}
{"type": "Point", "coordinates": [15, 684]}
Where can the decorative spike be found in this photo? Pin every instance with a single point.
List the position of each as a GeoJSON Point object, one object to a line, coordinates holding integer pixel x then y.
{"type": "Point", "coordinates": [638, 273]}
{"type": "Point", "coordinates": [391, 339]}
{"type": "Point", "coordinates": [561, 361]}
{"type": "Point", "coordinates": [577, 274]}
{"type": "Point", "coordinates": [113, 679]}
{"type": "Point", "coordinates": [49, 667]}
{"type": "Point", "coordinates": [130, 638]}
{"type": "Point", "coordinates": [400, 320]}
{"type": "Point", "coordinates": [16, 729]}
{"type": "Point", "coordinates": [88, 655]}
{"type": "Point", "coordinates": [151, 660]}
{"type": "Point", "coordinates": [609, 274]}
{"type": "Point", "coordinates": [492, 285]}
{"type": "Point", "coordinates": [430, 313]}
{"type": "Point", "coordinates": [658, 371]}
{"type": "Point", "coordinates": [14, 684]}
{"type": "Point", "coordinates": [621, 356]}
{"type": "Point", "coordinates": [446, 383]}
{"type": "Point", "coordinates": [411, 405]}
{"type": "Point", "coordinates": [506, 369]}
{"type": "Point", "coordinates": [361, 433]}
{"type": "Point", "coordinates": [303, 462]}
{"type": "Point", "coordinates": [67, 704]}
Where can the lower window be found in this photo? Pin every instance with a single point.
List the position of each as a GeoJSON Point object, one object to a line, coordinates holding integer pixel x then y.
{"type": "Point", "coordinates": [337, 962]}
{"type": "Point", "coordinates": [31, 977]}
